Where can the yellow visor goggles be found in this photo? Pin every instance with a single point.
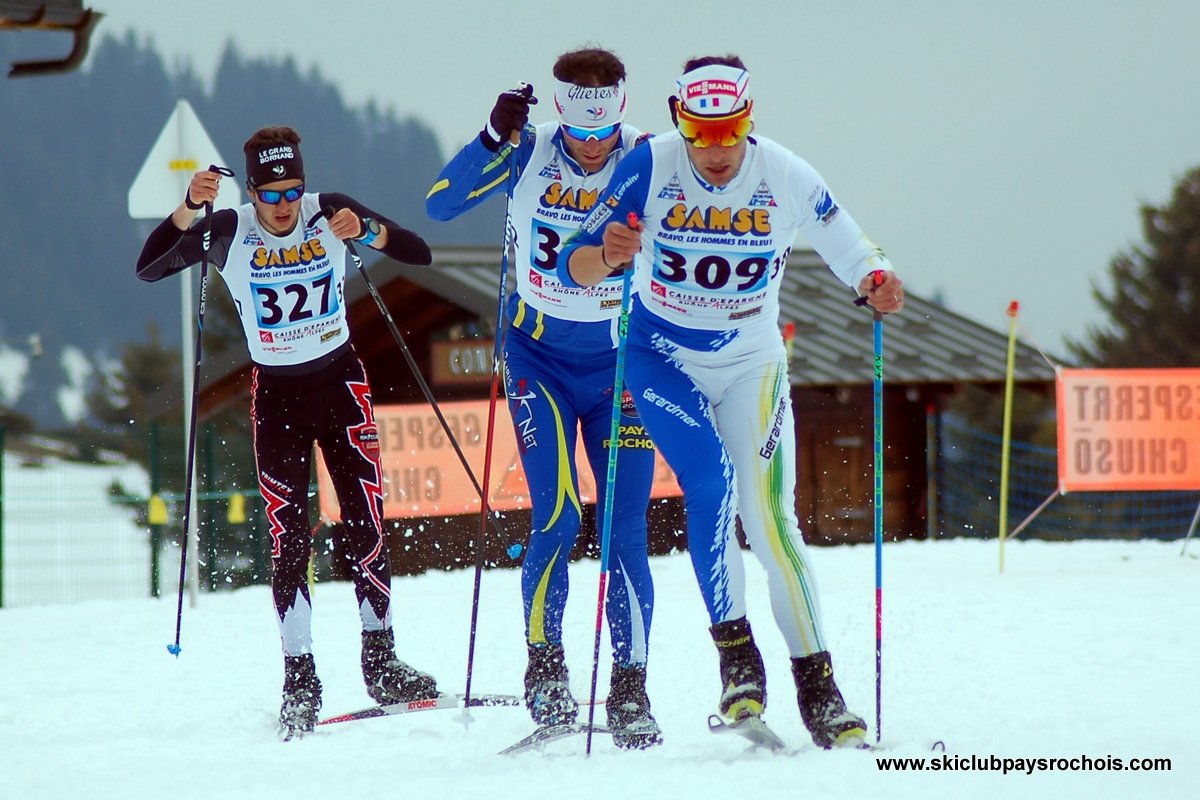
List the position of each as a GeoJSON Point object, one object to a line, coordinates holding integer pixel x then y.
{"type": "Point", "coordinates": [725, 131]}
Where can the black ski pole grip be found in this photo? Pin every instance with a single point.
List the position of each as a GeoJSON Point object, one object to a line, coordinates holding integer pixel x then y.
{"type": "Point", "coordinates": [327, 212]}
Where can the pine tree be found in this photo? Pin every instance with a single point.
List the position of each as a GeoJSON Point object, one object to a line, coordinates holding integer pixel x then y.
{"type": "Point", "coordinates": [1154, 304]}
{"type": "Point", "coordinates": [122, 401]}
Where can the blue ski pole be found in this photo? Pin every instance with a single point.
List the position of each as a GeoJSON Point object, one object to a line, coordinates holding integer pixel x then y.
{"type": "Point", "coordinates": [878, 438]}
{"type": "Point", "coordinates": [610, 484]}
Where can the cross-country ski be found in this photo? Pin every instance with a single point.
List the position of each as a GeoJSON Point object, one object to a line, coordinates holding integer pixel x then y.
{"type": "Point", "coordinates": [546, 734]}
{"type": "Point", "coordinates": [442, 701]}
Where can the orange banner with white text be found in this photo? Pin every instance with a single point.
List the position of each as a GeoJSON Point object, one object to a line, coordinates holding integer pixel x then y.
{"type": "Point", "coordinates": [1128, 429]}
{"type": "Point", "coordinates": [424, 477]}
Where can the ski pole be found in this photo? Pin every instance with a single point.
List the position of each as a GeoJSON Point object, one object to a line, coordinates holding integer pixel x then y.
{"type": "Point", "coordinates": [610, 483]}
{"type": "Point", "coordinates": [497, 351]}
{"type": "Point", "coordinates": [877, 278]}
{"type": "Point", "coordinates": [877, 324]}
{"type": "Point", "coordinates": [189, 472]}
{"type": "Point", "coordinates": [412, 362]}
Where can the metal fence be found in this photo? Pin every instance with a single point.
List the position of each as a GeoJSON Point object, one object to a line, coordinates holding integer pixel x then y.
{"type": "Point", "coordinates": [968, 482]}
{"type": "Point", "coordinates": [71, 532]}
{"type": "Point", "coordinates": [63, 539]}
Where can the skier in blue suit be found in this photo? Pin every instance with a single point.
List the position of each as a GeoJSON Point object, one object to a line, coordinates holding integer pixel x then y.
{"type": "Point", "coordinates": [560, 358]}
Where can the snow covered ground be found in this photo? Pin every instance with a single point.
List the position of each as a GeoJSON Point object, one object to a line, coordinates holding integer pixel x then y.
{"type": "Point", "coordinates": [1078, 649]}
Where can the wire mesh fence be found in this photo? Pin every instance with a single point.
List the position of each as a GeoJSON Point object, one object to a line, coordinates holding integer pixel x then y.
{"type": "Point", "coordinates": [72, 532]}
{"type": "Point", "coordinates": [63, 539]}
{"type": "Point", "coordinates": [968, 481]}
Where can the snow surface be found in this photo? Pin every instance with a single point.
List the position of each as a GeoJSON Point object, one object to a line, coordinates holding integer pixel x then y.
{"type": "Point", "coordinates": [1084, 648]}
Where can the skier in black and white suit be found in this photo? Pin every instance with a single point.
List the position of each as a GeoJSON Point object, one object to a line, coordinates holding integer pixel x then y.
{"type": "Point", "coordinates": [285, 267]}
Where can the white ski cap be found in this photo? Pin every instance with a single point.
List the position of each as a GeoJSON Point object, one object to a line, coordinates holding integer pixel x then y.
{"type": "Point", "coordinates": [589, 106]}
{"type": "Point", "coordinates": [714, 90]}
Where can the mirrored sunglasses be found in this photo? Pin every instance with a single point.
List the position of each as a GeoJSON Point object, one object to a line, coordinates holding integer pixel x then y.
{"type": "Point", "coordinates": [725, 131]}
{"type": "Point", "coordinates": [583, 134]}
{"type": "Point", "coordinates": [272, 197]}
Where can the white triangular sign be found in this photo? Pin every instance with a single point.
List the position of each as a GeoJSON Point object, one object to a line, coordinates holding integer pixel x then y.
{"type": "Point", "coordinates": [182, 148]}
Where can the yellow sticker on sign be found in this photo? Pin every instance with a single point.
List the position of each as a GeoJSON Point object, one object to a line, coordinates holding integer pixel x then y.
{"type": "Point", "coordinates": [185, 165]}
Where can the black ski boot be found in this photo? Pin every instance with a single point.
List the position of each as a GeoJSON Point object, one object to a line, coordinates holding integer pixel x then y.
{"type": "Point", "coordinates": [301, 696]}
{"type": "Point", "coordinates": [628, 707]}
{"type": "Point", "coordinates": [743, 677]}
{"type": "Point", "coordinates": [821, 705]}
{"type": "Point", "coordinates": [389, 680]}
{"type": "Point", "coordinates": [547, 686]}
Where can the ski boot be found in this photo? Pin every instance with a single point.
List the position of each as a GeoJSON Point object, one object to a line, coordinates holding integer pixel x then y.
{"type": "Point", "coordinates": [301, 696]}
{"type": "Point", "coordinates": [389, 680]}
{"type": "Point", "coordinates": [547, 687]}
{"type": "Point", "coordinates": [821, 705]}
{"type": "Point", "coordinates": [743, 677]}
{"type": "Point", "coordinates": [628, 707]}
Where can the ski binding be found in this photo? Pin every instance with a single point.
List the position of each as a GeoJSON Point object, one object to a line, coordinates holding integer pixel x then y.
{"type": "Point", "coordinates": [750, 727]}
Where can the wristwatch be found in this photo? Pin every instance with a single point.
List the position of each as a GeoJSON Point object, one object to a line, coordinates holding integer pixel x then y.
{"type": "Point", "coordinates": [371, 229]}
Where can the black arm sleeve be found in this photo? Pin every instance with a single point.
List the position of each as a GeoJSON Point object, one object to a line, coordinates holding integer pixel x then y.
{"type": "Point", "coordinates": [403, 245]}
{"type": "Point", "coordinates": [169, 250]}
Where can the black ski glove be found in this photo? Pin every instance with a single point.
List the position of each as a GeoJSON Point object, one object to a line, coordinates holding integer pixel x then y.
{"type": "Point", "coordinates": [511, 113]}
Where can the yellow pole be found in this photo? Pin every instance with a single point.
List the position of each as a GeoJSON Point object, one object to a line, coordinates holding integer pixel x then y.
{"type": "Point", "coordinates": [1007, 436]}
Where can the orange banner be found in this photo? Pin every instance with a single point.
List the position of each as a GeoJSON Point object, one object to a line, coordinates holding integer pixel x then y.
{"type": "Point", "coordinates": [423, 476]}
{"type": "Point", "coordinates": [1128, 429]}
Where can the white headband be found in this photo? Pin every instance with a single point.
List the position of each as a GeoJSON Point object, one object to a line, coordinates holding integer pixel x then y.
{"type": "Point", "coordinates": [589, 106]}
{"type": "Point", "coordinates": [714, 90]}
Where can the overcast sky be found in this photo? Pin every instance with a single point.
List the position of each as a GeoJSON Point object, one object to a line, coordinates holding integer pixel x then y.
{"type": "Point", "coordinates": [997, 150]}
